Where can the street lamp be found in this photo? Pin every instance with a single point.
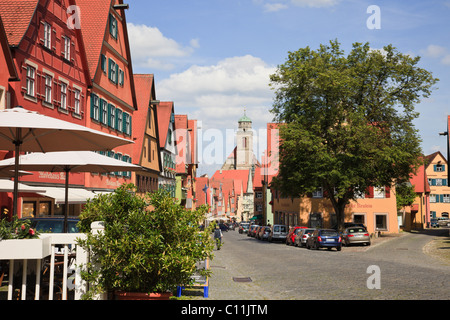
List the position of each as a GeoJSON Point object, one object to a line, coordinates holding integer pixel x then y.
{"type": "Point", "coordinates": [448, 152]}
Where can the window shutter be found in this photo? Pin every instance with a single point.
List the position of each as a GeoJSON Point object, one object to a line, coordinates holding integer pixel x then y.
{"type": "Point", "coordinates": [387, 192]}
{"type": "Point", "coordinates": [109, 68]}
{"type": "Point", "coordinates": [103, 63]}
{"type": "Point", "coordinates": [435, 168]}
{"type": "Point", "coordinates": [444, 182]}
{"type": "Point", "coordinates": [109, 115]}
{"type": "Point", "coordinates": [124, 122]}
{"type": "Point", "coordinates": [433, 182]}
{"type": "Point", "coordinates": [441, 198]}
{"type": "Point", "coordinates": [370, 193]}
{"type": "Point", "coordinates": [42, 32]}
{"type": "Point", "coordinates": [116, 78]}
{"type": "Point", "coordinates": [443, 167]}
{"type": "Point", "coordinates": [130, 130]}
{"type": "Point", "coordinates": [92, 106]}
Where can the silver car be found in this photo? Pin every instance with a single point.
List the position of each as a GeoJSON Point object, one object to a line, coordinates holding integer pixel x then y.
{"type": "Point", "coordinates": [278, 232]}
{"type": "Point", "coordinates": [354, 235]}
{"type": "Point", "coordinates": [302, 236]}
{"type": "Point", "coordinates": [443, 222]}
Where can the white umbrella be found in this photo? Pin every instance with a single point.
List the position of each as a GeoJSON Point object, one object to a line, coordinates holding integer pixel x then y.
{"type": "Point", "coordinates": [24, 130]}
{"type": "Point", "coordinates": [70, 161]}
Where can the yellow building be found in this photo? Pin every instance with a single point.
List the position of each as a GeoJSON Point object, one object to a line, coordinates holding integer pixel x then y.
{"type": "Point", "coordinates": [438, 180]}
{"type": "Point", "coordinates": [376, 210]}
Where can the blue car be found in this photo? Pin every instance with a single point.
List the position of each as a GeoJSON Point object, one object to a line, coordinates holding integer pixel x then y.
{"type": "Point", "coordinates": [324, 238]}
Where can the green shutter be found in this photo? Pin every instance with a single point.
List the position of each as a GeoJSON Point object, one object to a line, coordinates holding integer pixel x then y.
{"type": "Point", "coordinates": [103, 63]}
{"type": "Point", "coordinates": [435, 168]}
{"type": "Point", "coordinates": [116, 79]}
{"type": "Point", "coordinates": [131, 124]}
{"type": "Point", "coordinates": [109, 68]}
{"type": "Point", "coordinates": [93, 95]}
{"type": "Point", "coordinates": [109, 115]}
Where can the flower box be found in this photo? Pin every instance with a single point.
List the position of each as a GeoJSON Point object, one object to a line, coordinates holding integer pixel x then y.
{"type": "Point", "coordinates": [25, 249]}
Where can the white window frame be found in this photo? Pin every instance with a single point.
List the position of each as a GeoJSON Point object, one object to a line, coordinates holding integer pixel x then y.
{"type": "Point", "coordinates": [77, 101]}
{"type": "Point", "coordinates": [63, 99]}
{"type": "Point", "coordinates": [48, 89]}
{"type": "Point", "coordinates": [31, 81]}
{"type": "Point", "coordinates": [318, 193]}
{"type": "Point", "coordinates": [47, 35]}
{"type": "Point", "coordinates": [446, 198]}
{"type": "Point", "coordinates": [96, 107]}
{"type": "Point", "coordinates": [379, 192]}
{"type": "Point", "coordinates": [66, 51]}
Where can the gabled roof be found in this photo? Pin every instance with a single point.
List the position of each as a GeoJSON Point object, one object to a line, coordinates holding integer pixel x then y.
{"type": "Point", "coordinates": [239, 176]}
{"type": "Point", "coordinates": [165, 110]}
{"type": "Point", "coordinates": [16, 16]}
{"type": "Point", "coordinates": [94, 22]}
{"type": "Point", "coordinates": [13, 75]}
{"type": "Point", "coordinates": [94, 26]}
{"type": "Point", "coordinates": [429, 159]}
{"type": "Point", "coordinates": [144, 91]}
{"type": "Point", "coordinates": [420, 181]}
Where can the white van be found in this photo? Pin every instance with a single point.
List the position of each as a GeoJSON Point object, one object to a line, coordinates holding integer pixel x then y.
{"type": "Point", "coordinates": [279, 232]}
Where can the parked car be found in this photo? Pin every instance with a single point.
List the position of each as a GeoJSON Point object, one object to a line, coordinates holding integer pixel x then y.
{"type": "Point", "coordinates": [243, 227]}
{"type": "Point", "coordinates": [302, 236]}
{"type": "Point", "coordinates": [324, 238]}
{"type": "Point", "coordinates": [293, 231]}
{"type": "Point", "coordinates": [252, 230]}
{"type": "Point", "coordinates": [278, 232]}
{"type": "Point", "coordinates": [354, 235]}
{"type": "Point", "coordinates": [443, 222]}
{"type": "Point", "coordinates": [54, 224]}
{"type": "Point", "coordinates": [263, 233]}
{"type": "Point", "coordinates": [434, 223]}
{"type": "Point", "coordinates": [257, 232]}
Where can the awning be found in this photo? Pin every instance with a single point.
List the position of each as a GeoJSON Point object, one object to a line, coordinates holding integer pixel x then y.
{"type": "Point", "coordinates": [76, 195]}
{"type": "Point", "coordinates": [8, 186]}
{"type": "Point", "coordinates": [256, 217]}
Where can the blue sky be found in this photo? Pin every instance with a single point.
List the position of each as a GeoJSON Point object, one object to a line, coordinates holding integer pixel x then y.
{"type": "Point", "coordinates": [213, 58]}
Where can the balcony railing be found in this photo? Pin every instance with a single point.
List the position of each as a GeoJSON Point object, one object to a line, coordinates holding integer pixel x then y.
{"type": "Point", "coordinates": [56, 271]}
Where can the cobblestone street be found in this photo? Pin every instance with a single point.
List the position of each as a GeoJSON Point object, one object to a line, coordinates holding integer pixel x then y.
{"type": "Point", "coordinates": [280, 272]}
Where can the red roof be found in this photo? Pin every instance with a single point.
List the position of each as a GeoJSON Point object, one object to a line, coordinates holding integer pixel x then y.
{"type": "Point", "coordinates": [16, 16]}
{"type": "Point", "coordinates": [94, 22]}
{"type": "Point", "coordinates": [143, 90]}
{"type": "Point", "coordinates": [420, 181]}
{"type": "Point", "coordinates": [165, 110]}
{"type": "Point", "coordinates": [239, 176]}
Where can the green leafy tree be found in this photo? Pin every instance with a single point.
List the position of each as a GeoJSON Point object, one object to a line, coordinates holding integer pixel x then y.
{"type": "Point", "coordinates": [347, 120]}
{"type": "Point", "coordinates": [405, 194]}
{"type": "Point", "coordinates": [149, 244]}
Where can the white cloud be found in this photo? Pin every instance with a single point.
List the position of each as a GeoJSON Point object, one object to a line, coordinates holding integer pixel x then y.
{"type": "Point", "coordinates": [217, 94]}
{"type": "Point", "coordinates": [437, 52]}
{"type": "Point", "coordinates": [149, 45]}
{"type": "Point", "coordinates": [271, 6]}
{"type": "Point", "coordinates": [314, 3]}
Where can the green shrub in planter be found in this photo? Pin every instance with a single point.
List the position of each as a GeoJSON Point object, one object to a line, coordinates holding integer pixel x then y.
{"type": "Point", "coordinates": [142, 250]}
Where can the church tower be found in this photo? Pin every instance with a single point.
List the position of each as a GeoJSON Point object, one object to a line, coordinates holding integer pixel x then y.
{"type": "Point", "coordinates": [244, 144]}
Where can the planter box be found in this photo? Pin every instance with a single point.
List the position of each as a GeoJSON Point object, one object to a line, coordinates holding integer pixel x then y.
{"type": "Point", "coordinates": [25, 249]}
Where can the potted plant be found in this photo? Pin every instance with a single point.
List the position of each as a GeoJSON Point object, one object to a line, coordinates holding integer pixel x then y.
{"type": "Point", "coordinates": [141, 250]}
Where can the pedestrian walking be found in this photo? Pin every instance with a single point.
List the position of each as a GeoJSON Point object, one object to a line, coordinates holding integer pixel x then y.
{"type": "Point", "coordinates": [218, 237]}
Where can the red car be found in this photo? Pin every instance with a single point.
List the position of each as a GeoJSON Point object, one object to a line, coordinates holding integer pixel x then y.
{"type": "Point", "coordinates": [290, 239]}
